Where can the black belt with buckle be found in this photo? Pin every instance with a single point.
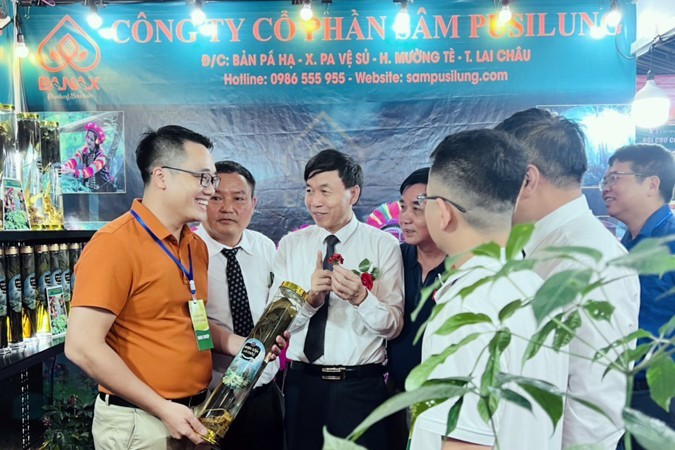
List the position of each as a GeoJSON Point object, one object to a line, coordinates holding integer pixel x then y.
{"type": "Point", "coordinates": [192, 400]}
{"type": "Point", "coordinates": [339, 373]}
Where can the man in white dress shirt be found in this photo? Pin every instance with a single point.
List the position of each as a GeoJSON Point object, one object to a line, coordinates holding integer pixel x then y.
{"type": "Point", "coordinates": [473, 186]}
{"type": "Point", "coordinates": [338, 348]}
{"type": "Point", "coordinates": [551, 198]}
{"type": "Point", "coordinates": [229, 214]}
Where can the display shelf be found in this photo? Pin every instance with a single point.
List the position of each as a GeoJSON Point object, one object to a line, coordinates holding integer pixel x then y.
{"type": "Point", "coordinates": [46, 237]}
{"type": "Point", "coordinates": [31, 355]}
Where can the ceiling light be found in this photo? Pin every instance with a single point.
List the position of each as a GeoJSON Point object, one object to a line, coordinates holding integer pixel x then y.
{"type": "Point", "coordinates": [651, 106]}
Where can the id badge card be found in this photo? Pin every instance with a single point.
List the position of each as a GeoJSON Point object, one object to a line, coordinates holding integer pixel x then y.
{"type": "Point", "coordinates": [200, 324]}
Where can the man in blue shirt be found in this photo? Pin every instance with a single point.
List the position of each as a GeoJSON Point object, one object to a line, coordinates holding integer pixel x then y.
{"type": "Point", "coordinates": [636, 189]}
{"type": "Point", "coordinates": [423, 263]}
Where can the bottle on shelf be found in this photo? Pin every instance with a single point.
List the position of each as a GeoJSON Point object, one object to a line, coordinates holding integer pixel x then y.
{"type": "Point", "coordinates": [73, 257]}
{"type": "Point", "coordinates": [226, 400]}
{"type": "Point", "coordinates": [43, 275]}
{"type": "Point", "coordinates": [64, 266]}
{"type": "Point", "coordinates": [29, 293]}
{"type": "Point", "coordinates": [4, 321]}
{"type": "Point", "coordinates": [14, 291]}
{"type": "Point", "coordinates": [28, 142]}
{"type": "Point", "coordinates": [55, 279]}
{"type": "Point", "coordinates": [11, 164]}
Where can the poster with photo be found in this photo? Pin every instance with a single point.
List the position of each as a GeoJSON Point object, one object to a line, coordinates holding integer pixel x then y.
{"type": "Point", "coordinates": [91, 151]}
{"type": "Point", "coordinates": [15, 212]}
{"type": "Point", "coordinates": [58, 318]}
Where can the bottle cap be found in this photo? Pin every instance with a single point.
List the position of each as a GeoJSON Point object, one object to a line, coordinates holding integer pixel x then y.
{"type": "Point", "coordinates": [295, 288]}
{"type": "Point", "coordinates": [42, 248]}
{"type": "Point", "coordinates": [12, 251]}
{"type": "Point", "coordinates": [54, 248]}
{"type": "Point", "coordinates": [74, 246]}
{"type": "Point", "coordinates": [26, 249]}
{"type": "Point", "coordinates": [63, 246]}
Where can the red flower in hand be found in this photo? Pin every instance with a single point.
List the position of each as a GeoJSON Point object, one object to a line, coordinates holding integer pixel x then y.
{"type": "Point", "coordinates": [336, 258]}
{"type": "Point", "coordinates": [367, 280]}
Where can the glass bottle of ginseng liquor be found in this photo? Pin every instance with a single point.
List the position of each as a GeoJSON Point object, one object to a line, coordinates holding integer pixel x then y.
{"type": "Point", "coordinates": [4, 344]}
{"type": "Point", "coordinates": [226, 400]}
{"type": "Point", "coordinates": [14, 292]}
{"type": "Point", "coordinates": [29, 297]}
{"type": "Point", "coordinates": [43, 275]}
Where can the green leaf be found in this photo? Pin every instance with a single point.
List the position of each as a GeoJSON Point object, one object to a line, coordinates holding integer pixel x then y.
{"type": "Point", "coordinates": [545, 394]}
{"type": "Point", "coordinates": [425, 294]}
{"type": "Point", "coordinates": [592, 253]}
{"type": "Point", "coordinates": [519, 236]}
{"type": "Point", "coordinates": [509, 310]}
{"type": "Point", "coordinates": [534, 345]}
{"type": "Point", "coordinates": [459, 320]}
{"type": "Point", "coordinates": [468, 290]}
{"type": "Point", "coordinates": [563, 335]}
{"type": "Point", "coordinates": [420, 374]}
{"type": "Point", "coordinates": [668, 328]}
{"type": "Point", "coordinates": [559, 291]}
{"type": "Point", "coordinates": [512, 396]}
{"type": "Point", "coordinates": [331, 442]}
{"type": "Point", "coordinates": [435, 390]}
{"type": "Point", "coordinates": [622, 342]}
{"type": "Point", "coordinates": [599, 310]}
{"type": "Point", "coordinates": [489, 249]}
{"type": "Point", "coordinates": [487, 407]}
{"type": "Point", "coordinates": [660, 377]}
{"type": "Point", "coordinates": [649, 257]}
{"type": "Point", "coordinates": [434, 312]}
{"type": "Point", "coordinates": [375, 273]}
{"type": "Point", "coordinates": [651, 433]}
{"type": "Point", "coordinates": [364, 265]}
{"type": "Point", "coordinates": [453, 416]}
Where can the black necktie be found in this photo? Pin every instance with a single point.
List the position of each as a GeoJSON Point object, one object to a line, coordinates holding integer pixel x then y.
{"type": "Point", "coordinates": [239, 307]}
{"type": "Point", "coordinates": [316, 331]}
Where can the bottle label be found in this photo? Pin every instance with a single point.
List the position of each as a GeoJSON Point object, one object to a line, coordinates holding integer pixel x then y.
{"type": "Point", "coordinates": [246, 365]}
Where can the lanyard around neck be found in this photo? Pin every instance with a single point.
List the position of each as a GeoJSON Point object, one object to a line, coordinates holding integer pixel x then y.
{"type": "Point", "coordinates": [188, 273]}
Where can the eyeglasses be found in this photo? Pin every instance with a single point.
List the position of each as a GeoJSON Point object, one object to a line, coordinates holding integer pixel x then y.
{"type": "Point", "coordinates": [424, 197]}
{"type": "Point", "coordinates": [205, 179]}
{"type": "Point", "coordinates": [612, 177]}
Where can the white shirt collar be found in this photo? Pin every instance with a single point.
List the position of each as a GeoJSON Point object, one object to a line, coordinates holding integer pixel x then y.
{"type": "Point", "coordinates": [343, 233]}
{"type": "Point", "coordinates": [216, 247]}
{"type": "Point", "coordinates": [555, 220]}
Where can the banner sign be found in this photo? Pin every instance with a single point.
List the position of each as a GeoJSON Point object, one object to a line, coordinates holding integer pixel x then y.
{"type": "Point", "coordinates": [272, 89]}
{"type": "Point", "coordinates": [263, 52]}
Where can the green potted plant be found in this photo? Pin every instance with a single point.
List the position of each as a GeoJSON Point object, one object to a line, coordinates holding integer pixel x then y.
{"type": "Point", "coordinates": [559, 305]}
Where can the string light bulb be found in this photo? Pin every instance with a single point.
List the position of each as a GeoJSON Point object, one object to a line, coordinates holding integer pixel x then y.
{"type": "Point", "coordinates": [306, 12]}
{"type": "Point", "coordinates": [402, 21]}
{"type": "Point", "coordinates": [93, 18]}
{"type": "Point", "coordinates": [613, 17]}
{"type": "Point", "coordinates": [197, 15]}
{"type": "Point", "coordinates": [21, 48]}
{"type": "Point", "coordinates": [505, 14]}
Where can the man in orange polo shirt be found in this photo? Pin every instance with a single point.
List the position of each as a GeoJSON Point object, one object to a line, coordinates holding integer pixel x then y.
{"type": "Point", "coordinates": [130, 327]}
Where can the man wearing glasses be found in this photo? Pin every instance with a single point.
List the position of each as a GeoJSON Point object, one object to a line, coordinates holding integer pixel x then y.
{"type": "Point", "coordinates": [551, 198]}
{"type": "Point", "coordinates": [139, 281]}
{"type": "Point", "coordinates": [636, 189]}
{"type": "Point", "coordinates": [470, 198]}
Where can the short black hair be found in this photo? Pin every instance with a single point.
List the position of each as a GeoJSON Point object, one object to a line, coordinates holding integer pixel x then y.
{"type": "Point", "coordinates": [165, 146]}
{"type": "Point", "coordinates": [650, 160]}
{"type": "Point", "coordinates": [420, 176]}
{"type": "Point", "coordinates": [234, 167]}
{"type": "Point", "coordinates": [484, 170]}
{"type": "Point", "coordinates": [328, 160]}
{"type": "Point", "coordinates": [554, 144]}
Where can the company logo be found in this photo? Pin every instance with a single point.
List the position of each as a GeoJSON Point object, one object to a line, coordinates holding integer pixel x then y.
{"type": "Point", "coordinates": [68, 48]}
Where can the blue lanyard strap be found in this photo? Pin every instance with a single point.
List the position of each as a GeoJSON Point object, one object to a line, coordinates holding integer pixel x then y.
{"type": "Point", "coordinates": [188, 273]}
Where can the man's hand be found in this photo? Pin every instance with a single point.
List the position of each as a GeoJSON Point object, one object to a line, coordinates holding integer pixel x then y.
{"type": "Point", "coordinates": [321, 283]}
{"type": "Point", "coordinates": [347, 285]}
{"type": "Point", "coordinates": [181, 422]}
{"type": "Point", "coordinates": [282, 343]}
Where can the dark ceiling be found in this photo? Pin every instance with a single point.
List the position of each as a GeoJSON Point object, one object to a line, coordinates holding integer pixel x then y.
{"type": "Point", "coordinates": [661, 58]}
